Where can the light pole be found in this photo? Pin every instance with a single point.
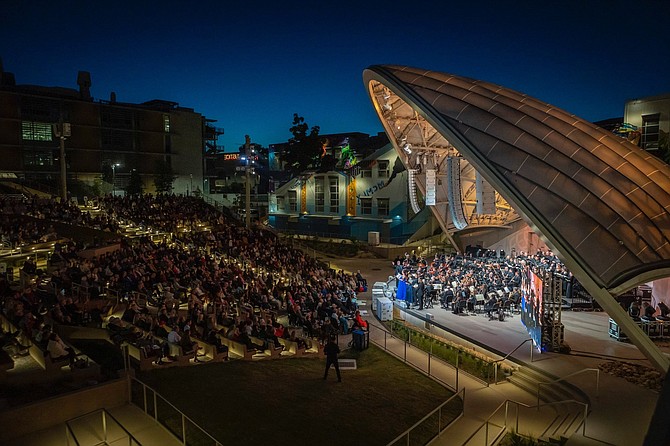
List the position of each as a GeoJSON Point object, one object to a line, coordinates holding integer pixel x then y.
{"type": "Point", "coordinates": [247, 153]}
{"type": "Point", "coordinates": [114, 166]}
{"type": "Point", "coordinates": [62, 130]}
{"type": "Point", "coordinates": [191, 184]}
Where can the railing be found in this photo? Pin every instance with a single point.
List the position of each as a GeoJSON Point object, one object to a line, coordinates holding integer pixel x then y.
{"type": "Point", "coordinates": [70, 435]}
{"type": "Point", "coordinates": [470, 362]}
{"type": "Point", "coordinates": [431, 426]}
{"type": "Point", "coordinates": [174, 420]}
{"type": "Point", "coordinates": [499, 422]}
{"type": "Point", "coordinates": [510, 354]}
{"type": "Point", "coordinates": [422, 367]}
{"type": "Point", "coordinates": [547, 383]}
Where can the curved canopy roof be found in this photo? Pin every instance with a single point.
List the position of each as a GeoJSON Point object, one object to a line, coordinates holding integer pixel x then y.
{"type": "Point", "coordinates": [599, 200]}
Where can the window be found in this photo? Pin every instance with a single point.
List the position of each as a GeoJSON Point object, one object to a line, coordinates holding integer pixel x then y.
{"type": "Point", "coordinates": [280, 203]}
{"type": "Point", "coordinates": [650, 131]}
{"type": "Point", "coordinates": [366, 173]}
{"type": "Point", "coordinates": [334, 186]}
{"type": "Point", "coordinates": [43, 109]}
{"type": "Point", "coordinates": [382, 207]}
{"type": "Point", "coordinates": [166, 123]}
{"type": "Point", "coordinates": [319, 194]}
{"type": "Point", "coordinates": [36, 131]}
{"type": "Point", "coordinates": [115, 117]}
{"type": "Point", "coordinates": [383, 169]}
{"type": "Point", "coordinates": [293, 201]}
{"type": "Point", "coordinates": [39, 158]}
{"type": "Point", "coordinates": [366, 206]}
{"type": "Point", "coordinates": [112, 139]}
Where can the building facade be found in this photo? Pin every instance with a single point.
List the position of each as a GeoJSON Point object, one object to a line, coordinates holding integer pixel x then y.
{"type": "Point", "coordinates": [105, 140]}
{"type": "Point", "coordinates": [371, 196]}
{"type": "Point", "coordinates": [650, 117]}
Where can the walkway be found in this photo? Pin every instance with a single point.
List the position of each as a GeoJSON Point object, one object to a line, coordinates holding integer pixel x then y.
{"type": "Point", "coordinates": [620, 412]}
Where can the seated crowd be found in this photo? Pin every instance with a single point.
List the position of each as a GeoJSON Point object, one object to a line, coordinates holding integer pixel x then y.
{"type": "Point", "coordinates": [231, 281]}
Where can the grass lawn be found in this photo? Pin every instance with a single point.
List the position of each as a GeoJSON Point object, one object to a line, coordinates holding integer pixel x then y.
{"type": "Point", "coordinates": [287, 402]}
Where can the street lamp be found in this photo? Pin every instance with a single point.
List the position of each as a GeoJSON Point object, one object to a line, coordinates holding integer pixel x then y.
{"type": "Point", "coordinates": [114, 166]}
{"type": "Point", "coordinates": [62, 130]}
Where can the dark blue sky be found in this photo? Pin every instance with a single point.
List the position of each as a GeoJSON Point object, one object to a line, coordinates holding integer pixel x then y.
{"type": "Point", "coordinates": [252, 64]}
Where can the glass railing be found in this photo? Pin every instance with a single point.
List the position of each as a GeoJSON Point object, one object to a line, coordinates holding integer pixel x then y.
{"type": "Point", "coordinates": [175, 421]}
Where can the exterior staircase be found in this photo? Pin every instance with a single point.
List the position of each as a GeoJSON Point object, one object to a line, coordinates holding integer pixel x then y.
{"type": "Point", "coordinates": [566, 401]}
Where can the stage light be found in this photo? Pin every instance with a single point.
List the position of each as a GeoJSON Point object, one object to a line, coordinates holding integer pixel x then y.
{"type": "Point", "coordinates": [407, 148]}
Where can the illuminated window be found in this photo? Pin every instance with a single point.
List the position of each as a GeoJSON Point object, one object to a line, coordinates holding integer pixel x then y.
{"type": "Point", "coordinates": [650, 131]}
{"type": "Point", "coordinates": [39, 158]}
{"type": "Point", "coordinates": [366, 206]}
{"type": "Point", "coordinates": [334, 185]}
{"type": "Point", "coordinates": [383, 169]}
{"type": "Point", "coordinates": [319, 194]}
{"type": "Point", "coordinates": [280, 203]}
{"type": "Point", "coordinates": [166, 123]}
{"type": "Point", "coordinates": [382, 207]}
{"type": "Point", "coordinates": [293, 201]}
{"type": "Point", "coordinates": [36, 131]}
{"type": "Point", "coordinates": [366, 173]}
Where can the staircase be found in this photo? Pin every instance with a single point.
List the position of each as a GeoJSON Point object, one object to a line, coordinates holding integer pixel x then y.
{"type": "Point", "coordinates": [567, 402]}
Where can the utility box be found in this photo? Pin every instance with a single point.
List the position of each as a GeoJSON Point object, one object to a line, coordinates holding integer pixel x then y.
{"type": "Point", "coordinates": [384, 309]}
{"type": "Point", "coordinates": [373, 238]}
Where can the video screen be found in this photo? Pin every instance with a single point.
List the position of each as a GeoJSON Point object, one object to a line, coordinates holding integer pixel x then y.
{"type": "Point", "coordinates": [531, 305]}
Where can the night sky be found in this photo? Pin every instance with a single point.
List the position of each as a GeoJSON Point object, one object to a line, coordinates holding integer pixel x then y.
{"type": "Point", "coordinates": [250, 65]}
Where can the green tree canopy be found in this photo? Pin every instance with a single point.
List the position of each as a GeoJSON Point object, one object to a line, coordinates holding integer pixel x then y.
{"type": "Point", "coordinates": [304, 149]}
{"type": "Point", "coordinates": [165, 176]}
{"type": "Point", "coordinates": [134, 183]}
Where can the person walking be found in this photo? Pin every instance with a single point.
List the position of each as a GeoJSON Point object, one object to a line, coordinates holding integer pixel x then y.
{"type": "Point", "coordinates": [331, 351]}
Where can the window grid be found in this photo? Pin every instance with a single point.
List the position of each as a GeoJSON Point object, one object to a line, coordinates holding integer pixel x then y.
{"type": "Point", "coordinates": [293, 201]}
{"type": "Point", "coordinates": [366, 206]}
{"type": "Point", "coordinates": [382, 207]}
{"type": "Point", "coordinates": [383, 169]}
{"type": "Point", "coordinates": [650, 131]}
{"type": "Point", "coordinates": [319, 195]}
{"type": "Point", "coordinates": [334, 184]}
{"type": "Point", "coordinates": [36, 131]}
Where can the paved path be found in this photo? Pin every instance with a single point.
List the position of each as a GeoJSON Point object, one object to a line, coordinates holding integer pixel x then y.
{"type": "Point", "coordinates": [620, 411]}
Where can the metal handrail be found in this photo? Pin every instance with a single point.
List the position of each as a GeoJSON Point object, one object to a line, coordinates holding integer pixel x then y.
{"type": "Point", "coordinates": [495, 368]}
{"type": "Point", "coordinates": [439, 428]}
{"type": "Point", "coordinates": [586, 410]}
{"type": "Point", "coordinates": [510, 353]}
{"type": "Point", "coordinates": [184, 417]}
{"type": "Point", "coordinates": [506, 403]}
{"type": "Point", "coordinates": [486, 422]}
{"type": "Point", "coordinates": [546, 383]}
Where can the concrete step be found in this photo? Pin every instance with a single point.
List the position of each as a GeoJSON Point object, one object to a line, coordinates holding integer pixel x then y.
{"type": "Point", "coordinates": [550, 390]}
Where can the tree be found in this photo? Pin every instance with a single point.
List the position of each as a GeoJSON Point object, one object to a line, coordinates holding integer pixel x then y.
{"type": "Point", "coordinates": [304, 149]}
{"type": "Point", "coordinates": [107, 173]}
{"type": "Point", "coordinates": [134, 183]}
{"type": "Point", "coordinates": [165, 176]}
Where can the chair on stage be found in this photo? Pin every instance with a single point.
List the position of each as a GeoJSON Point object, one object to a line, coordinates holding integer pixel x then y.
{"type": "Point", "coordinates": [460, 307]}
{"type": "Point", "coordinates": [446, 298]}
{"type": "Point", "coordinates": [507, 307]}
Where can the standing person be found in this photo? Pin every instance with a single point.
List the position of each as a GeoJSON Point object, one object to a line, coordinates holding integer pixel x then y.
{"type": "Point", "coordinates": [332, 350]}
{"type": "Point", "coordinates": [420, 289]}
